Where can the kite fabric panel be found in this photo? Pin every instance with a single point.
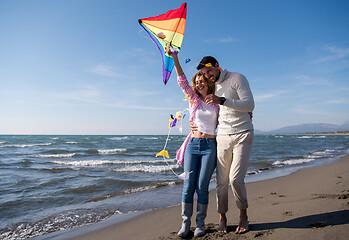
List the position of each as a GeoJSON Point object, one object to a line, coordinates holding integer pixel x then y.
{"type": "Point", "coordinates": [167, 30]}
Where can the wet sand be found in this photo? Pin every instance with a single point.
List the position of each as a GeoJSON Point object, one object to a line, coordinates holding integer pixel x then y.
{"type": "Point", "coordinates": [312, 203]}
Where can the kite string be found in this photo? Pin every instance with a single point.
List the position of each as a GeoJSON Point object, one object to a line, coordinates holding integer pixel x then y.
{"type": "Point", "coordinates": [168, 136]}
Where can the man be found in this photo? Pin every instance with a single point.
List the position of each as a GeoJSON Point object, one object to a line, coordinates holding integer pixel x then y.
{"type": "Point", "coordinates": [234, 137]}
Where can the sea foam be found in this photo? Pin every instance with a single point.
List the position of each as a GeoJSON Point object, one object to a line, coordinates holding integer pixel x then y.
{"type": "Point", "coordinates": [68, 155]}
{"type": "Point", "coordinates": [118, 138]}
{"type": "Point", "coordinates": [148, 169]}
{"type": "Point", "coordinates": [293, 162]}
{"type": "Point", "coordinates": [111, 151]}
{"type": "Point", "coordinates": [87, 163]}
{"type": "Point", "coordinates": [26, 145]}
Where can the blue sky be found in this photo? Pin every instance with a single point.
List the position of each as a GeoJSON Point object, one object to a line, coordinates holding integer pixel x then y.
{"type": "Point", "coordinates": [86, 66]}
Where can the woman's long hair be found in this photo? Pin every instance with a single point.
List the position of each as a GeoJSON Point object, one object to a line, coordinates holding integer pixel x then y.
{"type": "Point", "coordinates": [210, 85]}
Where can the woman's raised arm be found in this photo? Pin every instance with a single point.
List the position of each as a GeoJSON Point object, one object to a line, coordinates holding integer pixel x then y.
{"type": "Point", "coordinates": [177, 65]}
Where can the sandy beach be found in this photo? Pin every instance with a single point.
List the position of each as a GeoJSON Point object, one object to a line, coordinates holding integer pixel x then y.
{"type": "Point", "coordinates": [312, 203]}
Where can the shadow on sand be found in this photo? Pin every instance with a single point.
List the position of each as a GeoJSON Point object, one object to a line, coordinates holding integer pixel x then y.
{"type": "Point", "coordinates": [312, 221]}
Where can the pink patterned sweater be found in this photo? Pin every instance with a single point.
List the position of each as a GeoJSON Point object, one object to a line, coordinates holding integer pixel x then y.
{"type": "Point", "coordinates": [187, 89]}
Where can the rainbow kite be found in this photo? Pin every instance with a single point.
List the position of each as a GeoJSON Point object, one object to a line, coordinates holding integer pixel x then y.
{"type": "Point", "coordinates": [167, 31]}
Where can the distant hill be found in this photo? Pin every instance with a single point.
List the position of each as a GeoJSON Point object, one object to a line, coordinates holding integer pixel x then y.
{"type": "Point", "coordinates": [308, 128]}
{"type": "Point", "coordinates": [256, 131]}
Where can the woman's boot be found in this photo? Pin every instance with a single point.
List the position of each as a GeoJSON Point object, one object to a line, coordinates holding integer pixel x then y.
{"type": "Point", "coordinates": [200, 220]}
{"type": "Point", "coordinates": [187, 212]}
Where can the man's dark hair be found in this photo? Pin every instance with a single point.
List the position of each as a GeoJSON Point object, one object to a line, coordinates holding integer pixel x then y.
{"type": "Point", "coordinates": [205, 60]}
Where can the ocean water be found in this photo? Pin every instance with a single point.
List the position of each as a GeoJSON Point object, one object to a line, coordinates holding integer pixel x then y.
{"type": "Point", "coordinates": [53, 183]}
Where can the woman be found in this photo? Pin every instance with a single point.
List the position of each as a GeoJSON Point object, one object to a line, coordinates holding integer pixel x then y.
{"type": "Point", "coordinates": [199, 149]}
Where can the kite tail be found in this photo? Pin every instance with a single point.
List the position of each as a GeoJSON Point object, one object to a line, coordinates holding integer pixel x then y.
{"type": "Point", "coordinates": [168, 136]}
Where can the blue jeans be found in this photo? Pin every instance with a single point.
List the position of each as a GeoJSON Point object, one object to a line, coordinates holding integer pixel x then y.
{"type": "Point", "coordinates": [201, 158]}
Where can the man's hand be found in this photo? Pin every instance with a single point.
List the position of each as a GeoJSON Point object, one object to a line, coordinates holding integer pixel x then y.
{"type": "Point", "coordinates": [211, 99]}
{"type": "Point", "coordinates": [193, 127]}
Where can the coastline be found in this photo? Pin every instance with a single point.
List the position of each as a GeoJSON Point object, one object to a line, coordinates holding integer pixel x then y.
{"type": "Point", "coordinates": [321, 133]}
{"type": "Point", "coordinates": [312, 203]}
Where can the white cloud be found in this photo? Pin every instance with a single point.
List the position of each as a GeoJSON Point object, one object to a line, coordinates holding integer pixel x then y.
{"type": "Point", "coordinates": [332, 53]}
{"type": "Point", "coordinates": [141, 93]}
{"type": "Point", "coordinates": [140, 107]}
{"type": "Point", "coordinates": [221, 40]}
{"type": "Point", "coordinates": [133, 52]}
{"type": "Point", "coordinates": [227, 40]}
{"type": "Point", "coordinates": [273, 94]}
{"type": "Point", "coordinates": [305, 111]}
{"type": "Point", "coordinates": [306, 80]}
{"type": "Point", "coordinates": [86, 94]}
{"type": "Point", "coordinates": [338, 52]}
{"type": "Point", "coordinates": [338, 101]}
{"type": "Point", "coordinates": [104, 70]}
{"type": "Point", "coordinates": [345, 89]}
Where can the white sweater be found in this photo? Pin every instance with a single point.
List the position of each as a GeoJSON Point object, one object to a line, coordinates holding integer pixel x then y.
{"type": "Point", "coordinates": [233, 114]}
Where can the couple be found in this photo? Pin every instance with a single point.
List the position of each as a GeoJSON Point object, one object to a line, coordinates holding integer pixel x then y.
{"type": "Point", "coordinates": [224, 99]}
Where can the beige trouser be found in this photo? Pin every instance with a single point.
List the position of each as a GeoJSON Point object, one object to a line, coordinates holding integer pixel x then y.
{"type": "Point", "coordinates": [233, 153]}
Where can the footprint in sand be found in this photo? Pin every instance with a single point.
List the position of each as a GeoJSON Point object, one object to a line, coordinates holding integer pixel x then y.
{"type": "Point", "coordinates": [317, 196]}
{"type": "Point", "coordinates": [288, 213]}
{"type": "Point", "coordinates": [263, 233]}
{"type": "Point", "coordinates": [343, 196]}
{"type": "Point", "coordinates": [318, 225]}
{"type": "Point", "coordinates": [339, 180]}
